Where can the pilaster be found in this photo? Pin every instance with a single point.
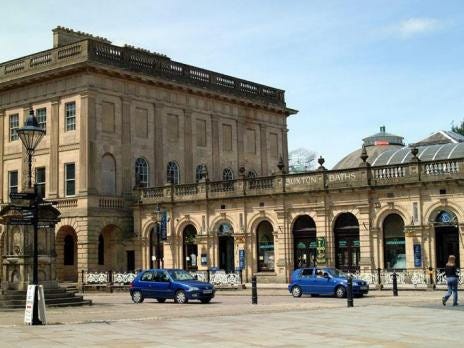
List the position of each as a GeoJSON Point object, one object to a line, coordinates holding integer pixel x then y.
{"type": "Point", "coordinates": [126, 146]}
{"type": "Point", "coordinates": [53, 166]}
{"type": "Point", "coordinates": [2, 141]}
{"type": "Point", "coordinates": [188, 146]}
{"type": "Point", "coordinates": [158, 144]}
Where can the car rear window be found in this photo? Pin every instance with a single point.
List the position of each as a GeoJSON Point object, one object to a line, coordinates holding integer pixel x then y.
{"type": "Point", "coordinates": [307, 272]}
{"type": "Point", "coordinates": [147, 276]}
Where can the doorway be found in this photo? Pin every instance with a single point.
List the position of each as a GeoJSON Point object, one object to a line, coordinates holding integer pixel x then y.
{"type": "Point", "coordinates": [226, 253]}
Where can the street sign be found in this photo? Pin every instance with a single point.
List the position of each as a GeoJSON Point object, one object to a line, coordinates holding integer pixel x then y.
{"type": "Point", "coordinates": [45, 225]}
{"type": "Point", "coordinates": [22, 195]}
{"type": "Point", "coordinates": [20, 222]}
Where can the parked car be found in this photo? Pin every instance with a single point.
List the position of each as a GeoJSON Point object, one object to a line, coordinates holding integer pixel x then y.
{"type": "Point", "coordinates": [324, 281]}
{"type": "Point", "coordinates": [175, 284]}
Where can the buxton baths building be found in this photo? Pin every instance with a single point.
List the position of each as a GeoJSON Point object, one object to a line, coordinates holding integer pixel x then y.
{"type": "Point", "coordinates": [118, 117]}
{"type": "Point", "coordinates": [383, 207]}
{"type": "Point", "coordinates": [154, 161]}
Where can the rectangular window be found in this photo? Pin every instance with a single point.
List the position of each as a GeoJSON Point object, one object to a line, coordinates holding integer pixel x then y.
{"type": "Point", "coordinates": [12, 182]}
{"type": "Point", "coordinates": [70, 116]}
{"type": "Point", "coordinates": [108, 117]}
{"type": "Point", "coordinates": [40, 181]}
{"type": "Point", "coordinates": [250, 141]}
{"type": "Point", "coordinates": [274, 145]}
{"type": "Point", "coordinates": [173, 127]}
{"type": "Point", "coordinates": [70, 179]}
{"type": "Point", "coordinates": [201, 133]}
{"type": "Point", "coordinates": [227, 137]}
{"type": "Point", "coordinates": [14, 125]}
{"type": "Point", "coordinates": [41, 115]}
{"type": "Point", "coordinates": [141, 123]}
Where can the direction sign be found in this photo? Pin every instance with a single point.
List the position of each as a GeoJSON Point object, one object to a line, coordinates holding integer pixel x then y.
{"type": "Point", "coordinates": [46, 225]}
{"type": "Point", "coordinates": [22, 195]}
{"type": "Point", "coordinates": [20, 222]}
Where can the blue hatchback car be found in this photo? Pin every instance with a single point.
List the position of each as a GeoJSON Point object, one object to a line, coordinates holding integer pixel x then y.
{"type": "Point", "coordinates": [324, 281]}
{"type": "Point", "coordinates": [175, 284]}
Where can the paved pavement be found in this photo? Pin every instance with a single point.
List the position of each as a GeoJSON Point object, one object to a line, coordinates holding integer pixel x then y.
{"type": "Point", "coordinates": [378, 320]}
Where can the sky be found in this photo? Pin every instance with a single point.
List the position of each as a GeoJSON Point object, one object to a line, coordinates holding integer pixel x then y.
{"type": "Point", "coordinates": [349, 67]}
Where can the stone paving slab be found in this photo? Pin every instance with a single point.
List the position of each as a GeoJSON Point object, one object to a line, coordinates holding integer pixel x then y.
{"type": "Point", "coordinates": [379, 320]}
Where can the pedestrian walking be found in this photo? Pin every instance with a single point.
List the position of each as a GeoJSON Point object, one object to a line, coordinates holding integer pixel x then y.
{"type": "Point", "coordinates": [452, 280]}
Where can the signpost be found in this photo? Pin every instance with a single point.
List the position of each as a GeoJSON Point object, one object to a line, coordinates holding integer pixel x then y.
{"type": "Point", "coordinates": [241, 257]}
{"type": "Point", "coordinates": [321, 259]}
{"type": "Point", "coordinates": [417, 255]}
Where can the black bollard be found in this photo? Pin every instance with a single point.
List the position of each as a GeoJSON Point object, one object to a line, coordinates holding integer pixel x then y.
{"type": "Point", "coordinates": [349, 292]}
{"type": "Point", "coordinates": [395, 285]}
{"type": "Point", "coordinates": [379, 279]}
{"type": "Point", "coordinates": [254, 291]}
{"type": "Point", "coordinates": [432, 284]}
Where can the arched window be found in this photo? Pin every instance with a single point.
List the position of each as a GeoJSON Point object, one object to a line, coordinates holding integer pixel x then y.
{"type": "Point", "coordinates": [68, 250]}
{"type": "Point", "coordinates": [101, 250]}
{"type": "Point", "coordinates": [190, 248]}
{"type": "Point", "coordinates": [201, 172]}
{"type": "Point", "coordinates": [304, 242]}
{"type": "Point", "coordinates": [108, 175]}
{"type": "Point", "coordinates": [265, 244]}
{"type": "Point", "coordinates": [173, 173]}
{"type": "Point", "coordinates": [393, 242]}
{"type": "Point", "coordinates": [347, 244]}
{"type": "Point", "coordinates": [227, 174]}
{"type": "Point", "coordinates": [141, 172]}
{"type": "Point", "coordinates": [251, 174]}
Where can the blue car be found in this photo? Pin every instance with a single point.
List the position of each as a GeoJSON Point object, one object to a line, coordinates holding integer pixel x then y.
{"type": "Point", "coordinates": [324, 281]}
{"type": "Point", "coordinates": [175, 284]}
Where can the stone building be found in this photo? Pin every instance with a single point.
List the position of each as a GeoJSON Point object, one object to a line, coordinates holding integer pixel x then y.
{"type": "Point", "coordinates": [118, 117]}
{"type": "Point", "coordinates": [130, 133]}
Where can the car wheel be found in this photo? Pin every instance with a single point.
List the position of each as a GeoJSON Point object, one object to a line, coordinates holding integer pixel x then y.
{"type": "Point", "coordinates": [180, 297]}
{"type": "Point", "coordinates": [296, 291]}
{"type": "Point", "coordinates": [340, 291]}
{"type": "Point", "coordinates": [137, 296]}
{"type": "Point", "coordinates": [206, 300]}
{"type": "Point", "coordinates": [161, 300]}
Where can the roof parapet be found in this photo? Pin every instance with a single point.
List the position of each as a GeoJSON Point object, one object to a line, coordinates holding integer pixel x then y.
{"type": "Point", "coordinates": [64, 36]}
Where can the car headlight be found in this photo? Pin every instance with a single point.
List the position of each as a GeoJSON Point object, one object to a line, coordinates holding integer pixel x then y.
{"type": "Point", "coordinates": [192, 288]}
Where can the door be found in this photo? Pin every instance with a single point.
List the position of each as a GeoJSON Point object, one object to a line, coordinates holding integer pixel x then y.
{"type": "Point", "coordinates": [162, 285]}
{"type": "Point", "coordinates": [322, 284]}
{"type": "Point", "coordinates": [147, 284]}
{"type": "Point", "coordinates": [447, 243]}
{"type": "Point", "coordinates": [306, 280]}
{"type": "Point", "coordinates": [226, 253]}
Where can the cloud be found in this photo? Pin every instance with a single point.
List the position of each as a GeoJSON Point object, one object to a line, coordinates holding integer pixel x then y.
{"type": "Point", "coordinates": [415, 26]}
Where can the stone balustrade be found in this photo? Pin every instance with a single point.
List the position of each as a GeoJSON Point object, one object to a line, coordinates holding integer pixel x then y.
{"type": "Point", "coordinates": [139, 61]}
{"type": "Point", "coordinates": [317, 180]}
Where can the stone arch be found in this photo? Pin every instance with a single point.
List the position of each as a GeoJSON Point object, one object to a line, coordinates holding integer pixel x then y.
{"type": "Point", "coordinates": [65, 269]}
{"type": "Point", "coordinates": [264, 236]}
{"type": "Point", "coordinates": [303, 234]}
{"type": "Point", "coordinates": [224, 231]}
{"type": "Point", "coordinates": [257, 218]}
{"type": "Point", "coordinates": [384, 212]}
{"type": "Point", "coordinates": [431, 212]}
{"type": "Point", "coordinates": [189, 247]}
{"type": "Point", "coordinates": [346, 238]}
{"type": "Point", "coordinates": [394, 242]}
{"type": "Point", "coordinates": [113, 248]}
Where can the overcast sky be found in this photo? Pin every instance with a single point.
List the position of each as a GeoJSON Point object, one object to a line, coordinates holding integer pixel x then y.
{"type": "Point", "coordinates": [347, 66]}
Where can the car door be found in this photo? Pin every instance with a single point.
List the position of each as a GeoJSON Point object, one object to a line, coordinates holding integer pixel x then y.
{"type": "Point", "coordinates": [146, 284]}
{"type": "Point", "coordinates": [162, 285]}
{"type": "Point", "coordinates": [306, 277]}
{"type": "Point", "coordinates": [322, 282]}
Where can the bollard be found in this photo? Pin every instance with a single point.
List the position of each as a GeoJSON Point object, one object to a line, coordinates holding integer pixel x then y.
{"type": "Point", "coordinates": [254, 291]}
{"type": "Point", "coordinates": [110, 279]}
{"type": "Point", "coordinates": [379, 280]}
{"type": "Point", "coordinates": [395, 284]}
{"type": "Point", "coordinates": [349, 292]}
{"type": "Point", "coordinates": [432, 284]}
{"type": "Point", "coordinates": [208, 275]}
{"type": "Point", "coordinates": [82, 281]}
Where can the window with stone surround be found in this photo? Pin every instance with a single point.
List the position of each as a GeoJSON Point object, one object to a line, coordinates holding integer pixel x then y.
{"type": "Point", "coordinates": [70, 179]}
{"type": "Point", "coordinates": [227, 137]}
{"type": "Point", "coordinates": [108, 117]}
{"type": "Point", "coordinates": [40, 181]}
{"type": "Point", "coordinates": [70, 116]}
{"type": "Point", "coordinates": [274, 145]}
{"type": "Point", "coordinates": [201, 132]}
{"type": "Point", "coordinates": [250, 139]}
{"type": "Point", "coordinates": [14, 125]}
{"type": "Point", "coordinates": [173, 127]}
{"type": "Point", "coordinates": [12, 182]}
{"type": "Point", "coordinates": [141, 172]}
{"type": "Point", "coordinates": [41, 115]}
{"type": "Point", "coordinates": [173, 176]}
{"type": "Point", "coordinates": [141, 123]}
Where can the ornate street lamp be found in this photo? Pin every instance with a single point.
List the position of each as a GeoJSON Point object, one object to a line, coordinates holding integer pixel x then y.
{"type": "Point", "coordinates": [30, 135]}
{"type": "Point", "coordinates": [157, 218]}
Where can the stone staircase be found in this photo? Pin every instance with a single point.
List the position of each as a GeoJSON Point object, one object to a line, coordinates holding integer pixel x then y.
{"type": "Point", "coordinates": [59, 297]}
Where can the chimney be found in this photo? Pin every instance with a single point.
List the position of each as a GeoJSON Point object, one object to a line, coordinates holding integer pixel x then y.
{"type": "Point", "coordinates": [65, 36]}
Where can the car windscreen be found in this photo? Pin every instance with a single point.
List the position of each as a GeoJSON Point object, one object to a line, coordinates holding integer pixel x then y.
{"type": "Point", "coordinates": [180, 275]}
{"type": "Point", "coordinates": [336, 273]}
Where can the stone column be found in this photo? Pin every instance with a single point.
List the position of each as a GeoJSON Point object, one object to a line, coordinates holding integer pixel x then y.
{"type": "Point", "coordinates": [2, 132]}
{"type": "Point", "coordinates": [263, 149]}
{"type": "Point", "coordinates": [53, 166]}
{"type": "Point", "coordinates": [88, 145]}
{"type": "Point", "coordinates": [215, 147]}
{"type": "Point", "coordinates": [188, 147]}
{"type": "Point", "coordinates": [159, 147]}
{"type": "Point", "coordinates": [127, 162]}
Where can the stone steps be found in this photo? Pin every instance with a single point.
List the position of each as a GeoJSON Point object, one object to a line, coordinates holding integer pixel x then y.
{"type": "Point", "coordinates": [11, 299]}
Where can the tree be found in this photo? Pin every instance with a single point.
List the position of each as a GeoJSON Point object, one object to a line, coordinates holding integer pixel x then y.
{"type": "Point", "coordinates": [459, 128]}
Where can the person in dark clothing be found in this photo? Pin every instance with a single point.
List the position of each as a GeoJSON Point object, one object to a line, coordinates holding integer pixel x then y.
{"type": "Point", "coordinates": [452, 280]}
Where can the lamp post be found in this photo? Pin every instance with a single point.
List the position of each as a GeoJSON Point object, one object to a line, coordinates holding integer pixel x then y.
{"type": "Point", "coordinates": [157, 216]}
{"type": "Point", "coordinates": [30, 136]}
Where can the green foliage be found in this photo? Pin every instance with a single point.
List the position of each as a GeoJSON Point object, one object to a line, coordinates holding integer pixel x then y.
{"type": "Point", "coordinates": [458, 128]}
